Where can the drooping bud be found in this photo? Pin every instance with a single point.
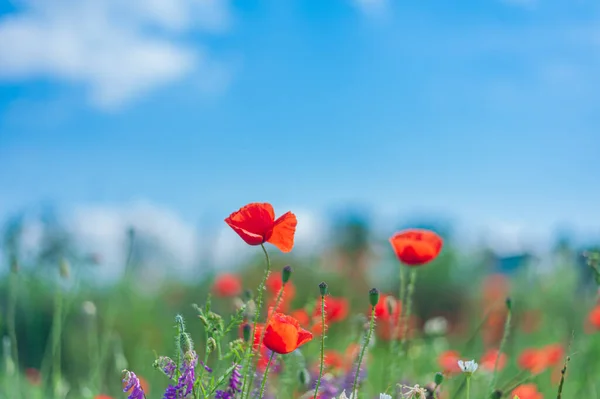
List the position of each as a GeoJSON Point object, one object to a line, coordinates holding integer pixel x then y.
{"type": "Point", "coordinates": [211, 345]}
{"type": "Point", "coordinates": [304, 377]}
{"type": "Point", "coordinates": [286, 273]}
{"type": "Point", "coordinates": [323, 288]}
{"type": "Point", "coordinates": [247, 332]}
{"type": "Point", "coordinates": [186, 342]}
{"type": "Point", "coordinates": [497, 394]}
{"type": "Point", "coordinates": [64, 268]}
{"type": "Point", "coordinates": [247, 295]}
{"type": "Point", "coordinates": [374, 296]}
{"type": "Point", "coordinates": [438, 379]}
{"type": "Point", "coordinates": [509, 304]}
{"type": "Point", "coordinates": [391, 304]}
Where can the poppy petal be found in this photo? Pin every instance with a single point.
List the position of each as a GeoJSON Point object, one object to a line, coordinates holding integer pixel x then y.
{"type": "Point", "coordinates": [283, 232]}
{"type": "Point", "coordinates": [253, 222]}
{"type": "Point", "coordinates": [303, 337]}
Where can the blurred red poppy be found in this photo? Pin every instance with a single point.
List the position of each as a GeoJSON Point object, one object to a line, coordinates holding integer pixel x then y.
{"type": "Point", "coordinates": [495, 288]}
{"type": "Point", "coordinates": [554, 354]}
{"type": "Point", "coordinates": [33, 376]}
{"type": "Point", "coordinates": [103, 397]}
{"type": "Point", "coordinates": [416, 247]}
{"type": "Point", "coordinates": [533, 360]}
{"type": "Point", "coordinates": [284, 334]}
{"type": "Point", "coordinates": [594, 317]}
{"type": "Point", "coordinates": [227, 285]}
{"type": "Point", "coordinates": [336, 309]}
{"type": "Point", "coordinates": [255, 223]}
{"type": "Point", "coordinates": [274, 284]}
{"type": "Point", "coordinates": [527, 391]}
{"type": "Point", "coordinates": [488, 360]}
{"type": "Point", "coordinates": [302, 316]}
{"type": "Point", "coordinates": [382, 309]}
{"type": "Point", "coordinates": [448, 361]}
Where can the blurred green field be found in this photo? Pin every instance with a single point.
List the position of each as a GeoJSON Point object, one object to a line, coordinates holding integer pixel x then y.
{"type": "Point", "coordinates": [105, 329]}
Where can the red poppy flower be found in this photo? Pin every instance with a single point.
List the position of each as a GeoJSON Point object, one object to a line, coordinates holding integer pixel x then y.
{"type": "Point", "coordinates": [103, 397]}
{"type": "Point", "coordinates": [284, 334]}
{"type": "Point", "coordinates": [594, 317]}
{"type": "Point", "coordinates": [227, 285]}
{"type": "Point", "coordinates": [448, 361]}
{"type": "Point", "coordinates": [255, 223]}
{"type": "Point", "coordinates": [527, 391]}
{"type": "Point", "coordinates": [416, 247]}
{"type": "Point", "coordinates": [336, 309]}
{"type": "Point", "coordinates": [488, 360]}
{"type": "Point", "coordinates": [333, 360]}
{"type": "Point", "coordinates": [533, 360]}
{"type": "Point", "coordinates": [554, 354]}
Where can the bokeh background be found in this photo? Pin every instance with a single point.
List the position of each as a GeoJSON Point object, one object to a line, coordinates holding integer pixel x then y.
{"type": "Point", "coordinates": [131, 129]}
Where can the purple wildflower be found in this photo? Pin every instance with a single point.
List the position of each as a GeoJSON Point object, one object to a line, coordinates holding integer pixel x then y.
{"type": "Point", "coordinates": [132, 382]}
{"type": "Point", "coordinates": [235, 385]}
{"type": "Point", "coordinates": [205, 367]}
{"type": "Point", "coordinates": [185, 383]}
{"type": "Point", "coordinates": [167, 365]}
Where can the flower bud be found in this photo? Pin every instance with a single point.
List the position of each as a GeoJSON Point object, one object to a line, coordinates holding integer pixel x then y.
{"type": "Point", "coordinates": [304, 377]}
{"type": "Point", "coordinates": [374, 296]}
{"type": "Point", "coordinates": [439, 378]}
{"type": "Point", "coordinates": [509, 304]}
{"type": "Point", "coordinates": [497, 394]}
{"type": "Point", "coordinates": [64, 268]}
{"type": "Point", "coordinates": [247, 295]}
{"type": "Point", "coordinates": [186, 342]}
{"type": "Point", "coordinates": [323, 288]}
{"type": "Point", "coordinates": [211, 345]}
{"type": "Point", "coordinates": [286, 274]}
{"type": "Point", "coordinates": [247, 332]}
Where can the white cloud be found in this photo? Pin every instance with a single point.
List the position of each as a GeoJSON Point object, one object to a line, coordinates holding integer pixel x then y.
{"type": "Point", "coordinates": [118, 50]}
{"type": "Point", "coordinates": [375, 8]}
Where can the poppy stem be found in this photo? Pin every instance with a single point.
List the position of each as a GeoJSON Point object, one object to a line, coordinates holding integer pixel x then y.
{"type": "Point", "coordinates": [562, 378]}
{"type": "Point", "coordinates": [264, 379]}
{"type": "Point", "coordinates": [250, 351]}
{"type": "Point", "coordinates": [362, 352]}
{"type": "Point", "coordinates": [322, 346]}
{"type": "Point", "coordinates": [396, 330]}
{"type": "Point", "coordinates": [502, 345]}
{"type": "Point", "coordinates": [56, 341]}
{"type": "Point", "coordinates": [409, 299]}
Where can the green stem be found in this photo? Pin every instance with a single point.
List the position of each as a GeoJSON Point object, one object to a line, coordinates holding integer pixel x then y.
{"type": "Point", "coordinates": [322, 346]}
{"type": "Point", "coordinates": [11, 325]}
{"type": "Point", "coordinates": [206, 353]}
{"type": "Point", "coordinates": [501, 349]}
{"type": "Point", "coordinates": [468, 386]}
{"type": "Point", "coordinates": [250, 351]}
{"type": "Point", "coordinates": [396, 330]}
{"type": "Point", "coordinates": [362, 352]}
{"type": "Point", "coordinates": [56, 341]}
{"type": "Point", "coordinates": [562, 378]}
{"type": "Point", "coordinates": [264, 380]}
{"type": "Point", "coordinates": [409, 299]}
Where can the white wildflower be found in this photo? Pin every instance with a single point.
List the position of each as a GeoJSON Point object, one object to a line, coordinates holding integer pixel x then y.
{"type": "Point", "coordinates": [416, 392]}
{"type": "Point", "coordinates": [385, 396]}
{"type": "Point", "coordinates": [468, 367]}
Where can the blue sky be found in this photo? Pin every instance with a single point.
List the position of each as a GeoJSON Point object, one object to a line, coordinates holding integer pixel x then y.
{"type": "Point", "coordinates": [488, 111]}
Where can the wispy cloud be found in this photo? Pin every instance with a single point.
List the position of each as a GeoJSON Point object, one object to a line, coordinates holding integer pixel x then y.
{"type": "Point", "coordinates": [117, 50]}
{"type": "Point", "coordinates": [373, 8]}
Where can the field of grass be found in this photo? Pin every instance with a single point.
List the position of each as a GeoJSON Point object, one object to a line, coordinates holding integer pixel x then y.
{"type": "Point", "coordinates": [64, 337]}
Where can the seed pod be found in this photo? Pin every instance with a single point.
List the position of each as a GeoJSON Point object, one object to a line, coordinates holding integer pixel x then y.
{"type": "Point", "coordinates": [286, 274]}
{"type": "Point", "coordinates": [374, 296]}
{"type": "Point", "coordinates": [323, 288]}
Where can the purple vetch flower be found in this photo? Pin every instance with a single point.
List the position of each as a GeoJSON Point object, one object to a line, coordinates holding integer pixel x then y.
{"type": "Point", "coordinates": [205, 367]}
{"type": "Point", "coordinates": [348, 380]}
{"type": "Point", "coordinates": [132, 382]}
{"type": "Point", "coordinates": [185, 383]}
{"type": "Point", "coordinates": [234, 386]}
{"type": "Point", "coordinates": [167, 365]}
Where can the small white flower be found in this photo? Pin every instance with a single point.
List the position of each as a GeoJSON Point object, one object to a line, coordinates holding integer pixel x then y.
{"type": "Point", "coordinates": [343, 396]}
{"type": "Point", "coordinates": [415, 392]}
{"type": "Point", "coordinates": [468, 367]}
{"type": "Point", "coordinates": [385, 396]}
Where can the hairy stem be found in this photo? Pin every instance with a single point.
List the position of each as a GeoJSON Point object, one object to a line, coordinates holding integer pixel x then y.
{"type": "Point", "coordinates": [322, 346]}
{"type": "Point", "coordinates": [409, 299]}
{"type": "Point", "coordinates": [362, 352]}
{"type": "Point", "coordinates": [264, 379]}
{"type": "Point", "coordinates": [501, 349]}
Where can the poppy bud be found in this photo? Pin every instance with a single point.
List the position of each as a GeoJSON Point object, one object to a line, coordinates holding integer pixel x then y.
{"type": "Point", "coordinates": [247, 331]}
{"type": "Point", "coordinates": [374, 296]}
{"type": "Point", "coordinates": [509, 303]}
{"type": "Point", "coordinates": [286, 274]}
{"type": "Point", "coordinates": [439, 378]}
{"type": "Point", "coordinates": [211, 345]}
{"type": "Point", "coordinates": [64, 269]}
{"type": "Point", "coordinates": [247, 295]}
{"type": "Point", "coordinates": [497, 394]}
{"type": "Point", "coordinates": [323, 288]}
{"type": "Point", "coordinates": [304, 377]}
